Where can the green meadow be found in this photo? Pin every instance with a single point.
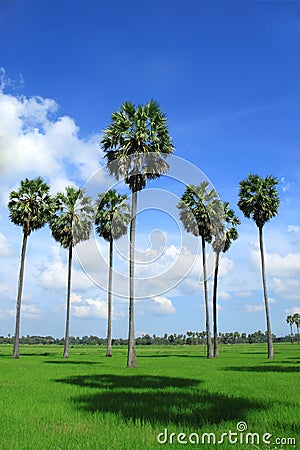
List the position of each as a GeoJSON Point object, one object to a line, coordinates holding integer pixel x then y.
{"type": "Point", "coordinates": [91, 402]}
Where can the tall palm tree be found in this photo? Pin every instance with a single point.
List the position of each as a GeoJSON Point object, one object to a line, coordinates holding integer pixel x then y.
{"type": "Point", "coordinates": [224, 233]}
{"type": "Point", "coordinates": [199, 209]}
{"type": "Point", "coordinates": [258, 199]}
{"type": "Point", "coordinates": [296, 318]}
{"type": "Point", "coordinates": [111, 220]}
{"type": "Point", "coordinates": [136, 144]}
{"type": "Point", "coordinates": [30, 207]}
{"type": "Point", "coordinates": [71, 224]}
{"type": "Point", "coordinates": [290, 321]}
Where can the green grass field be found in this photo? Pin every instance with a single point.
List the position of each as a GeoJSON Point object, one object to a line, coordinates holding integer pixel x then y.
{"type": "Point", "coordinates": [91, 402]}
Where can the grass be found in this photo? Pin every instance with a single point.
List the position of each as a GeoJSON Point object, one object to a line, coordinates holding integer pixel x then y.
{"type": "Point", "coordinates": [92, 402]}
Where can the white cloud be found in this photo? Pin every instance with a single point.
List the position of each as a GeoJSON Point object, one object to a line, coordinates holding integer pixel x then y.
{"type": "Point", "coordinates": [30, 311]}
{"type": "Point", "coordinates": [253, 308]}
{"type": "Point", "coordinates": [243, 294]}
{"type": "Point", "coordinates": [293, 310]}
{"type": "Point", "coordinates": [88, 308]}
{"type": "Point", "coordinates": [277, 265]}
{"type": "Point", "coordinates": [223, 295]}
{"type": "Point", "coordinates": [293, 228]}
{"type": "Point", "coordinates": [286, 287]}
{"type": "Point", "coordinates": [157, 306]}
{"type": "Point", "coordinates": [54, 273]}
{"type": "Point", "coordinates": [37, 143]}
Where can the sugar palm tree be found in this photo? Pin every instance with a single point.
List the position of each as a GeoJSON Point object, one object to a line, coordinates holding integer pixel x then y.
{"type": "Point", "coordinates": [71, 224]}
{"type": "Point", "coordinates": [136, 144]}
{"type": "Point", "coordinates": [225, 232]}
{"type": "Point", "coordinates": [199, 209]}
{"type": "Point", "coordinates": [296, 318]}
{"type": "Point", "coordinates": [258, 199]}
{"type": "Point", "coordinates": [111, 220]}
{"type": "Point", "coordinates": [30, 207]}
{"type": "Point", "coordinates": [290, 321]}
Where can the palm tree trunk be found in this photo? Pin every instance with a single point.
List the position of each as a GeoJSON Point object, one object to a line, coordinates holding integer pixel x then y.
{"type": "Point", "coordinates": [207, 322]}
{"type": "Point", "coordinates": [67, 335]}
{"type": "Point", "coordinates": [131, 361]}
{"type": "Point", "coordinates": [215, 325]}
{"type": "Point", "coordinates": [19, 299]}
{"type": "Point", "coordinates": [292, 336]}
{"type": "Point", "coordinates": [263, 271]}
{"type": "Point", "coordinates": [109, 294]}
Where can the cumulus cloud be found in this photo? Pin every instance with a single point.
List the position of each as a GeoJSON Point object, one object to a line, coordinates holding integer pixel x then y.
{"type": "Point", "coordinates": [286, 287]}
{"type": "Point", "coordinates": [223, 295]}
{"type": "Point", "coordinates": [91, 308]}
{"type": "Point", "coordinates": [35, 142]}
{"type": "Point", "coordinates": [293, 310]}
{"type": "Point", "coordinates": [279, 265]}
{"type": "Point", "coordinates": [88, 308]}
{"type": "Point", "coordinates": [249, 309]}
{"type": "Point", "coordinates": [156, 306]}
{"type": "Point", "coordinates": [28, 311]}
{"type": "Point", "coordinates": [243, 294]}
{"type": "Point", "coordinates": [54, 273]}
{"type": "Point", "coordinates": [293, 229]}
{"type": "Point", "coordinates": [31, 311]}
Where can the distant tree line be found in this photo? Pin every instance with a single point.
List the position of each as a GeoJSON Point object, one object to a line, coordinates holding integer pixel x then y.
{"type": "Point", "coordinates": [189, 338]}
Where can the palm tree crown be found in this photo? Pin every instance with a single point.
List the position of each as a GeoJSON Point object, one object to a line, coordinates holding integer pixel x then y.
{"type": "Point", "coordinates": [225, 231]}
{"type": "Point", "coordinates": [72, 222]}
{"type": "Point", "coordinates": [30, 207]}
{"type": "Point", "coordinates": [200, 210]}
{"type": "Point", "coordinates": [112, 215]}
{"type": "Point", "coordinates": [258, 198]}
{"type": "Point", "coordinates": [136, 144]}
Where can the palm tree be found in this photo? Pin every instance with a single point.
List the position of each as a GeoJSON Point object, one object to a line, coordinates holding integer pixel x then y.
{"type": "Point", "coordinates": [71, 224]}
{"type": "Point", "coordinates": [199, 209]}
{"type": "Point", "coordinates": [111, 220]}
{"type": "Point", "coordinates": [136, 144]}
{"type": "Point", "coordinates": [225, 233]}
{"type": "Point", "coordinates": [30, 207]}
{"type": "Point", "coordinates": [258, 199]}
{"type": "Point", "coordinates": [290, 321]}
{"type": "Point", "coordinates": [296, 319]}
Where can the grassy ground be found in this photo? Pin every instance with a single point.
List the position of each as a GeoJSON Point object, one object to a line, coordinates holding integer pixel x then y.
{"type": "Point", "coordinates": [90, 402]}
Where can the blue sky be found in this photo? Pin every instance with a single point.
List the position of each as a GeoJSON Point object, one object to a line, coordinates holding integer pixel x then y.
{"type": "Point", "coordinates": [226, 74]}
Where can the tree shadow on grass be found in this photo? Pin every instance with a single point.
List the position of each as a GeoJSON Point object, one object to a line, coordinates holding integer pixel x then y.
{"type": "Point", "coordinates": [271, 368]}
{"type": "Point", "coordinates": [69, 361]}
{"type": "Point", "coordinates": [171, 355]}
{"type": "Point", "coordinates": [159, 400]}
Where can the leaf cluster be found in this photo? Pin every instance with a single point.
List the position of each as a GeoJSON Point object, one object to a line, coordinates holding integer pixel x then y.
{"type": "Point", "coordinates": [258, 198]}
{"type": "Point", "coordinates": [112, 215]}
{"type": "Point", "coordinates": [136, 144]}
{"type": "Point", "coordinates": [200, 210]}
{"type": "Point", "coordinates": [72, 221]}
{"type": "Point", "coordinates": [31, 205]}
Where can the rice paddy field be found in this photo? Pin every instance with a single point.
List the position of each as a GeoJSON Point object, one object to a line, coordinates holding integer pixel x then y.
{"type": "Point", "coordinates": [175, 399]}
